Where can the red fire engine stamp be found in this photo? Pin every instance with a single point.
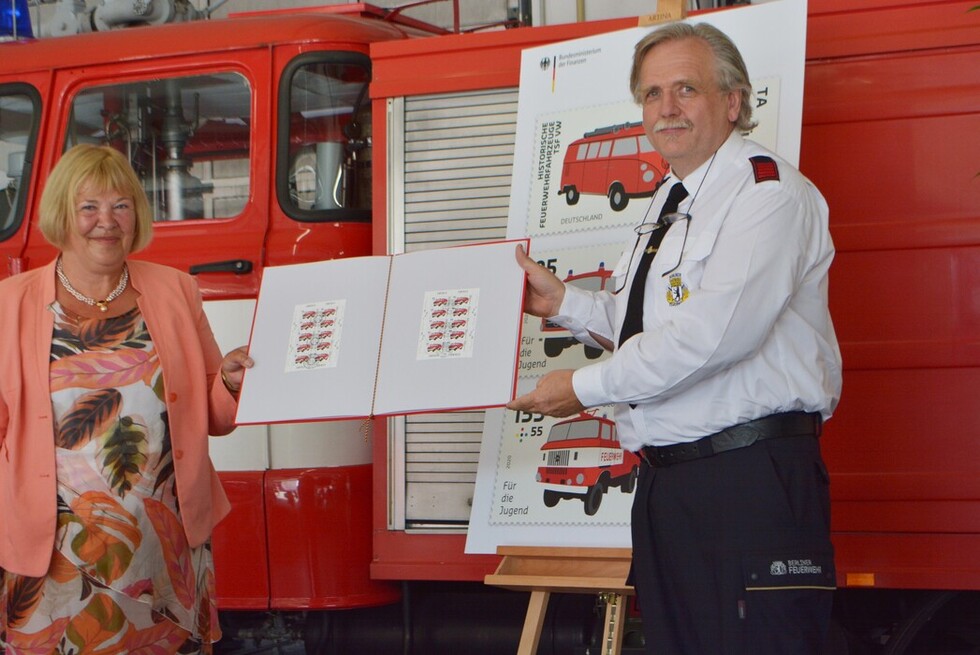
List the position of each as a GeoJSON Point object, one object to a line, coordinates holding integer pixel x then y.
{"type": "Point", "coordinates": [448, 325]}
{"type": "Point", "coordinates": [314, 335]}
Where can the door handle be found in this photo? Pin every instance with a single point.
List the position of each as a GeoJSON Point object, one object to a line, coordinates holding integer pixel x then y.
{"type": "Point", "coordinates": [236, 266]}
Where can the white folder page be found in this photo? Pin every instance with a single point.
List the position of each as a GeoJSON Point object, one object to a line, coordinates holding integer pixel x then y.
{"type": "Point", "coordinates": [331, 310]}
{"type": "Point", "coordinates": [452, 329]}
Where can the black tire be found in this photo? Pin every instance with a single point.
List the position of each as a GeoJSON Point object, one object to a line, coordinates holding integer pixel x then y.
{"type": "Point", "coordinates": [593, 497]}
{"type": "Point", "coordinates": [551, 498]}
{"type": "Point", "coordinates": [916, 634]}
{"type": "Point", "coordinates": [617, 197]}
{"type": "Point", "coordinates": [592, 353]}
{"type": "Point", "coordinates": [629, 482]}
{"type": "Point", "coordinates": [555, 346]}
{"type": "Point", "coordinates": [571, 195]}
{"type": "Point", "coordinates": [317, 632]}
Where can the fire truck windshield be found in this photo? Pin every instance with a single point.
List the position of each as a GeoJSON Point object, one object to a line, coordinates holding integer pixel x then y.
{"type": "Point", "coordinates": [592, 282]}
{"type": "Point", "coordinates": [186, 137]}
{"type": "Point", "coordinates": [19, 108]}
{"type": "Point", "coordinates": [580, 429]}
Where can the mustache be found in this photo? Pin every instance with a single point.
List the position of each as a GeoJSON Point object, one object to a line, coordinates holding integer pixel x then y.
{"type": "Point", "coordinates": [664, 124]}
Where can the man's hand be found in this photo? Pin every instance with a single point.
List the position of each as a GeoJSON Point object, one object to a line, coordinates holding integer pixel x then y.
{"type": "Point", "coordinates": [554, 396]}
{"type": "Point", "coordinates": [544, 290]}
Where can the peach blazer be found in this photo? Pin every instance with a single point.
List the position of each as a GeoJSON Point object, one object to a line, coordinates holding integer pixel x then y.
{"type": "Point", "coordinates": [197, 402]}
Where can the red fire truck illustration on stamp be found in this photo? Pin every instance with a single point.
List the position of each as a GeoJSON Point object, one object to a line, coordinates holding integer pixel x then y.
{"type": "Point", "coordinates": [314, 335]}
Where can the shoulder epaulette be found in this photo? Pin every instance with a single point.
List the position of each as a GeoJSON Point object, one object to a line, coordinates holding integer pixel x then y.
{"type": "Point", "coordinates": [764, 168]}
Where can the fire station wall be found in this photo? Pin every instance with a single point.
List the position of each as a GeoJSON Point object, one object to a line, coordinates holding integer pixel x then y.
{"type": "Point", "coordinates": [886, 119]}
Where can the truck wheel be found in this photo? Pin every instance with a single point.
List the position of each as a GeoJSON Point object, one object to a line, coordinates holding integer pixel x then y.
{"type": "Point", "coordinates": [629, 483]}
{"type": "Point", "coordinates": [929, 625]}
{"type": "Point", "coordinates": [551, 498]}
{"type": "Point", "coordinates": [571, 195]}
{"type": "Point", "coordinates": [317, 632]}
{"type": "Point", "coordinates": [593, 498]}
{"type": "Point", "coordinates": [554, 347]}
{"type": "Point", "coordinates": [592, 353]}
{"type": "Point", "coordinates": [617, 197]}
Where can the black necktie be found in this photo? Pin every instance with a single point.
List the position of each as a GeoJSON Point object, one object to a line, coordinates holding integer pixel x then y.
{"type": "Point", "coordinates": [633, 321]}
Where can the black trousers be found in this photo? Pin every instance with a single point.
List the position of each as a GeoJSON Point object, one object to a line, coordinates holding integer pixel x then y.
{"type": "Point", "coordinates": [732, 553]}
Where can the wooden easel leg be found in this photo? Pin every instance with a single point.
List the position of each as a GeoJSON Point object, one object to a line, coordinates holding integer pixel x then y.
{"type": "Point", "coordinates": [533, 622]}
{"type": "Point", "coordinates": [612, 634]}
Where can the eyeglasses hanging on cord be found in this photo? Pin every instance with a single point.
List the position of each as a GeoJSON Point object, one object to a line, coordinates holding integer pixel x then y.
{"type": "Point", "coordinates": [646, 227]}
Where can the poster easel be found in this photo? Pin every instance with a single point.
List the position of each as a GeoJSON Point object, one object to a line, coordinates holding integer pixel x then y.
{"type": "Point", "coordinates": [543, 570]}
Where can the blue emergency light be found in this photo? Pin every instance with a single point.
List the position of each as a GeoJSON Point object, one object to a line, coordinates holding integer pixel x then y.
{"type": "Point", "coordinates": [15, 22]}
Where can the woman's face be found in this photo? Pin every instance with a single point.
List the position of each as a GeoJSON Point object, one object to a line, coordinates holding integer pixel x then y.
{"type": "Point", "coordinates": [105, 225]}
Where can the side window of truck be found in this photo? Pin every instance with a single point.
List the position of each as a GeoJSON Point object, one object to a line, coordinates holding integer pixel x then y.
{"type": "Point", "coordinates": [325, 138]}
{"type": "Point", "coordinates": [20, 107]}
{"type": "Point", "coordinates": [187, 138]}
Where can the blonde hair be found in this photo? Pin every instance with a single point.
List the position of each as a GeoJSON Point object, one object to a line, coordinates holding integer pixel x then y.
{"type": "Point", "coordinates": [730, 70]}
{"type": "Point", "coordinates": [103, 169]}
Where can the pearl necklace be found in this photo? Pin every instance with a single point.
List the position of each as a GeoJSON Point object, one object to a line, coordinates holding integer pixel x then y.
{"type": "Point", "coordinates": [103, 305]}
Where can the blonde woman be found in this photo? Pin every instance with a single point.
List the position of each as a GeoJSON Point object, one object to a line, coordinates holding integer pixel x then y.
{"type": "Point", "coordinates": [111, 383]}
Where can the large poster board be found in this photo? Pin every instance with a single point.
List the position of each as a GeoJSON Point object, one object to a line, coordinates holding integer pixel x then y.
{"type": "Point", "coordinates": [574, 92]}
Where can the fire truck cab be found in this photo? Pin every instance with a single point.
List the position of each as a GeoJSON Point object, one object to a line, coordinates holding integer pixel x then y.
{"type": "Point", "coordinates": [555, 345]}
{"type": "Point", "coordinates": [582, 459]}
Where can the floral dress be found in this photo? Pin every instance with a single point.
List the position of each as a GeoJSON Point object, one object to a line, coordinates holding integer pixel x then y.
{"type": "Point", "coordinates": [123, 578]}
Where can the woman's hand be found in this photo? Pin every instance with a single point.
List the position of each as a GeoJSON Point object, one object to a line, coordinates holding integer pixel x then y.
{"type": "Point", "coordinates": [233, 369]}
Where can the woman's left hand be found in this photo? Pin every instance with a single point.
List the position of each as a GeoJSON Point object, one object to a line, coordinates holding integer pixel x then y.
{"type": "Point", "coordinates": [233, 368]}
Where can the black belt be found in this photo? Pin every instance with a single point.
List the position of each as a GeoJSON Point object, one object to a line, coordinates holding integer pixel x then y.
{"type": "Point", "coordinates": [786, 424]}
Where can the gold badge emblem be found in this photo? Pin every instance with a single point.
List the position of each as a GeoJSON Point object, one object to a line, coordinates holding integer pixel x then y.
{"type": "Point", "coordinates": [677, 291]}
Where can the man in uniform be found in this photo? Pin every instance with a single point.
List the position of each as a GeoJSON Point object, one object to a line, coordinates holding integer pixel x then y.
{"type": "Point", "coordinates": [724, 365]}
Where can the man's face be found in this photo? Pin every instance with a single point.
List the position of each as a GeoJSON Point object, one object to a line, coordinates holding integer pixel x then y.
{"type": "Point", "coordinates": [685, 115]}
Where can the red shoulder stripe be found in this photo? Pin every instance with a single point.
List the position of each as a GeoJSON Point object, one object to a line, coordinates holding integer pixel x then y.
{"type": "Point", "coordinates": [765, 169]}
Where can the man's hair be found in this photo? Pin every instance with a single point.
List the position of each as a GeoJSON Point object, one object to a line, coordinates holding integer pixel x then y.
{"type": "Point", "coordinates": [103, 169]}
{"type": "Point", "coordinates": [730, 69]}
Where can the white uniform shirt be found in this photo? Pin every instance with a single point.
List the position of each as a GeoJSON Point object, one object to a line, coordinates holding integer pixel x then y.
{"type": "Point", "coordinates": [739, 330]}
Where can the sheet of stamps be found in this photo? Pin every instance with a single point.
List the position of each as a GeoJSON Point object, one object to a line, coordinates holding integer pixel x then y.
{"type": "Point", "coordinates": [314, 335]}
{"type": "Point", "coordinates": [448, 325]}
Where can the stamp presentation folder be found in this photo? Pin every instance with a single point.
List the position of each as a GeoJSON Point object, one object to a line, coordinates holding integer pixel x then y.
{"type": "Point", "coordinates": [424, 331]}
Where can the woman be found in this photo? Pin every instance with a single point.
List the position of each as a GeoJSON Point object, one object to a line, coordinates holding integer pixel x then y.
{"type": "Point", "coordinates": [110, 383]}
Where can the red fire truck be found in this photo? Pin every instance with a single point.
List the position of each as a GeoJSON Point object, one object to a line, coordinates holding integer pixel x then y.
{"type": "Point", "coordinates": [276, 139]}
{"type": "Point", "coordinates": [616, 161]}
{"type": "Point", "coordinates": [591, 281]}
{"type": "Point", "coordinates": [582, 459]}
